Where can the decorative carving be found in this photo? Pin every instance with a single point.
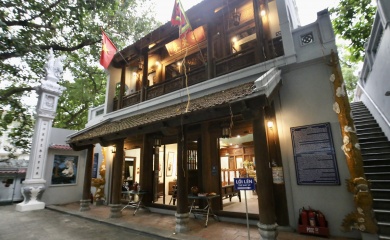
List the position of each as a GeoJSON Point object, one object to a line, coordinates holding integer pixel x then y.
{"type": "Point", "coordinates": [336, 108]}
{"type": "Point", "coordinates": [32, 194]}
{"type": "Point", "coordinates": [363, 218]}
{"type": "Point", "coordinates": [49, 101]}
{"type": "Point", "coordinates": [53, 66]}
{"type": "Point", "coordinates": [99, 183]}
{"type": "Point", "coordinates": [46, 113]}
{"type": "Point", "coordinates": [52, 87]}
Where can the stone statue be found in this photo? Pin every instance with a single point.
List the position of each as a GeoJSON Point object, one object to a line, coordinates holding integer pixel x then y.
{"type": "Point", "coordinates": [53, 66]}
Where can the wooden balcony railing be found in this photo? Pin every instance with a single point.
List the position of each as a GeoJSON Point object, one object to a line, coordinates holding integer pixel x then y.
{"type": "Point", "coordinates": [235, 62]}
{"type": "Point", "coordinates": [195, 76]}
{"type": "Point", "coordinates": [223, 66]}
{"type": "Point", "coordinates": [128, 100]}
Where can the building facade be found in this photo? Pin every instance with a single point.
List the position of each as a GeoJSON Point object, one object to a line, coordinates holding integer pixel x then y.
{"type": "Point", "coordinates": [247, 93]}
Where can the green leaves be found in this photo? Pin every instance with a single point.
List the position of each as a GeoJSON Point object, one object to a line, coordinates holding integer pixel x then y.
{"type": "Point", "coordinates": [29, 28]}
{"type": "Point", "coordinates": [352, 21]}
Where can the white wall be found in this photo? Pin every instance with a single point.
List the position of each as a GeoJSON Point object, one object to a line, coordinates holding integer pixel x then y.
{"type": "Point", "coordinates": [63, 193]}
{"type": "Point", "coordinates": [306, 97]}
{"type": "Point", "coordinates": [378, 83]}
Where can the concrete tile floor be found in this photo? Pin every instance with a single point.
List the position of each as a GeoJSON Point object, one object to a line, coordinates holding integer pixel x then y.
{"type": "Point", "coordinates": [164, 224]}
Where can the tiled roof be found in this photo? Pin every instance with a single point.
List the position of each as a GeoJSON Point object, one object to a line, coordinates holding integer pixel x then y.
{"type": "Point", "coordinates": [6, 171]}
{"type": "Point", "coordinates": [202, 103]}
{"type": "Point", "coordinates": [60, 147]}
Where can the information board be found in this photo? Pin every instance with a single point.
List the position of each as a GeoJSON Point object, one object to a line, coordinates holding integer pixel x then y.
{"type": "Point", "coordinates": [244, 183]}
{"type": "Point", "coordinates": [314, 155]}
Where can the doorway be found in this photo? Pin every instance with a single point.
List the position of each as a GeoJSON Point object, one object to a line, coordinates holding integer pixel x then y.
{"type": "Point", "coordinates": [237, 160]}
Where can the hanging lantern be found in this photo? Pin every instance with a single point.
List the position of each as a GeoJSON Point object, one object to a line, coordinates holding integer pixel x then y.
{"type": "Point", "coordinates": [236, 17]}
{"type": "Point", "coordinates": [140, 65]}
{"type": "Point", "coordinates": [226, 131]}
{"type": "Point", "coordinates": [157, 141]}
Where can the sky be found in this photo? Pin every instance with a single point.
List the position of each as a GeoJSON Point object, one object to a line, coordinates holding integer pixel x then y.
{"type": "Point", "coordinates": [307, 9]}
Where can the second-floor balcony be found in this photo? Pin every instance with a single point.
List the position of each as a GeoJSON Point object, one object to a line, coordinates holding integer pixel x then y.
{"type": "Point", "coordinates": [217, 46]}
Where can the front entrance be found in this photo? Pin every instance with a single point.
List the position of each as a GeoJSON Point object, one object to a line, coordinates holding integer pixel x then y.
{"type": "Point", "coordinates": [167, 175]}
{"type": "Point", "coordinates": [237, 160]}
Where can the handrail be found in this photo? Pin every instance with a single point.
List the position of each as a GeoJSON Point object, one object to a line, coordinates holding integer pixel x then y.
{"type": "Point", "coordinates": [170, 80]}
{"type": "Point", "coordinates": [373, 103]}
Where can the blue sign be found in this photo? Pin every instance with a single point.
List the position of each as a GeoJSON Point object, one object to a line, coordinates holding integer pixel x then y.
{"type": "Point", "coordinates": [244, 184]}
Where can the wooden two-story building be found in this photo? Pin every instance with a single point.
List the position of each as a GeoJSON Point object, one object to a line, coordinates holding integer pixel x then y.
{"type": "Point", "coordinates": [246, 93]}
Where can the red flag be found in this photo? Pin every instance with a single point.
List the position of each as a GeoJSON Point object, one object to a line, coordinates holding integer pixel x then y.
{"type": "Point", "coordinates": [180, 19]}
{"type": "Point", "coordinates": [108, 51]}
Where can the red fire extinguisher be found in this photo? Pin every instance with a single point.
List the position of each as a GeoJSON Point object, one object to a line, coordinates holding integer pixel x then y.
{"type": "Point", "coordinates": [321, 219]}
{"type": "Point", "coordinates": [304, 217]}
{"type": "Point", "coordinates": [312, 218]}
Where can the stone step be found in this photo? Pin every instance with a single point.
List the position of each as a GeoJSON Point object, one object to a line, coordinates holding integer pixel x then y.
{"type": "Point", "coordinates": [381, 203]}
{"type": "Point", "coordinates": [371, 137]}
{"type": "Point", "coordinates": [384, 230]}
{"type": "Point", "coordinates": [378, 176]}
{"type": "Point", "coordinates": [365, 122]}
{"type": "Point", "coordinates": [375, 162]}
{"type": "Point", "coordinates": [362, 118]}
{"type": "Point", "coordinates": [382, 155]}
{"type": "Point", "coordinates": [374, 144]}
{"type": "Point", "coordinates": [360, 114]}
{"type": "Point", "coordinates": [383, 237]}
{"type": "Point", "coordinates": [379, 184]}
{"type": "Point", "coordinates": [382, 215]}
{"type": "Point", "coordinates": [380, 193]}
{"type": "Point", "coordinates": [370, 134]}
{"type": "Point", "coordinates": [364, 125]}
{"type": "Point", "coordinates": [377, 168]}
{"type": "Point", "coordinates": [359, 107]}
{"type": "Point", "coordinates": [369, 130]}
{"type": "Point", "coordinates": [377, 149]}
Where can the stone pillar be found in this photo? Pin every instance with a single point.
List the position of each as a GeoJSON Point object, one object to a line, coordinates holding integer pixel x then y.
{"type": "Point", "coordinates": [86, 200]}
{"type": "Point", "coordinates": [48, 93]}
{"type": "Point", "coordinates": [267, 216]}
{"type": "Point", "coordinates": [116, 190]}
{"type": "Point", "coordinates": [182, 213]}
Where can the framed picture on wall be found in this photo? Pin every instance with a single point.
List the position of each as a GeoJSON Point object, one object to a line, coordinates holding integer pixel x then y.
{"type": "Point", "coordinates": [64, 169]}
{"type": "Point", "coordinates": [170, 164]}
{"type": "Point", "coordinates": [160, 166]}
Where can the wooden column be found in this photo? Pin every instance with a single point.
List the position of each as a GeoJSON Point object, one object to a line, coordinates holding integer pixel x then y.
{"type": "Point", "coordinates": [266, 30]}
{"type": "Point", "coordinates": [122, 88]}
{"type": "Point", "coordinates": [146, 168]}
{"type": "Point", "coordinates": [267, 215]}
{"type": "Point", "coordinates": [182, 213]}
{"type": "Point", "coordinates": [210, 52]}
{"type": "Point", "coordinates": [116, 189]}
{"type": "Point", "coordinates": [210, 162]}
{"type": "Point", "coordinates": [182, 174]}
{"type": "Point", "coordinates": [279, 189]}
{"type": "Point", "coordinates": [259, 32]}
{"type": "Point", "coordinates": [86, 199]}
{"type": "Point", "coordinates": [145, 68]}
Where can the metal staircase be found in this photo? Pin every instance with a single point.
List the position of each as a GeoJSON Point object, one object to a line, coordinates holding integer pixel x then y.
{"type": "Point", "coordinates": [375, 149]}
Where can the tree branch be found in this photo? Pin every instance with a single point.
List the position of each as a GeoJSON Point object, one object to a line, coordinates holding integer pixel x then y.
{"type": "Point", "coordinates": [5, 94]}
{"type": "Point", "coordinates": [26, 23]}
{"type": "Point", "coordinates": [87, 42]}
